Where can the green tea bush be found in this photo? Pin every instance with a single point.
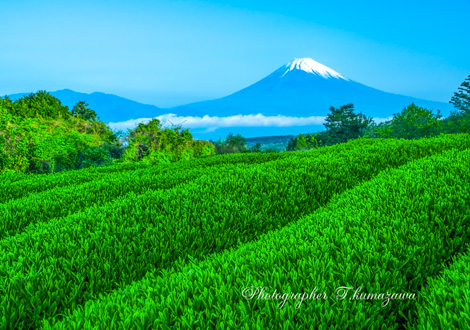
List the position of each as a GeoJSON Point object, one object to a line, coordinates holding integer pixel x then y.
{"type": "Point", "coordinates": [444, 302]}
{"type": "Point", "coordinates": [25, 185]}
{"type": "Point", "coordinates": [18, 186]}
{"type": "Point", "coordinates": [17, 214]}
{"type": "Point", "coordinates": [387, 236]}
{"type": "Point", "coordinates": [54, 267]}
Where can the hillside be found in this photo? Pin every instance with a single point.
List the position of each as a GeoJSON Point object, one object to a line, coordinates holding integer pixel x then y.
{"type": "Point", "coordinates": [38, 134]}
{"type": "Point", "coordinates": [193, 243]}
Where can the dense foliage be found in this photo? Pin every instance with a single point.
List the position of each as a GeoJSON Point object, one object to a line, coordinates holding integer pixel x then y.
{"type": "Point", "coordinates": [238, 144]}
{"type": "Point", "coordinates": [81, 110]}
{"type": "Point", "coordinates": [40, 135]}
{"type": "Point", "coordinates": [269, 143]}
{"type": "Point", "coordinates": [413, 122]}
{"type": "Point", "coordinates": [385, 237]}
{"type": "Point", "coordinates": [158, 235]}
{"type": "Point", "coordinates": [461, 98]}
{"type": "Point", "coordinates": [302, 142]}
{"type": "Point", "coordinates": [444, 301]}
{"type": "Point", "coordinates": [341, 125]}
{"type": "Point", "coordinates": [154, 144]}
{"type": "Point", "coordinates": [231, 144]}
{"type": "Point", "coordinates": [98, 247]}
{"type": "Point", "coordinates": [36, 105]}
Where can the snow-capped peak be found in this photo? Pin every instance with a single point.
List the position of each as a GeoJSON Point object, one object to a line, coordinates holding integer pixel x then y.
{"type": "Point", "coordinates": [312, 66]}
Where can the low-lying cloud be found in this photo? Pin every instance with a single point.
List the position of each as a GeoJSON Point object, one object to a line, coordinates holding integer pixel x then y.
{"type": "Point", "coordinates": [212, 123]}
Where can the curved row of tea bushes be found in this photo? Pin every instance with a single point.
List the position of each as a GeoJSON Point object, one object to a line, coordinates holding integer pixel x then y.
{"type": "Point", "coordinates": [445, 302]}
{"type": "Point", "coordinates": [68, 261]}
{"type": "Point", "coordinates": [61, 201]}
{"type": "Point", "coordinates": [21, 185]}
{"type": "Point", "coordinates": [16, 186]}
{"type": "Point", "coordinates": [35, 183]}
{"type": "Point", "coordinates": [9, 177]}
{"type": "Point", "coordinates": [246, 158]}
{"type": "Point", "coordinates": [387, 236]}
{"type": "Point", "coordinates": [58, 202]}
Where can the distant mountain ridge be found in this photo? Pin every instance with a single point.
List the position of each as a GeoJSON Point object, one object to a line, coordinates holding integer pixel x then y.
{"type": "Point", "coordinates": [300, 88]}
{"type": "Point", "coordinates": [304, 87]}
{"type": "Point", "coordinates": [109, 107]}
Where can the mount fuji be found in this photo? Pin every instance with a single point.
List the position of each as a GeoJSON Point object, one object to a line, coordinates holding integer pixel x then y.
{"type": "Point", "coordinates": [293, 99]}
{"type": "Point", "coordinates": [304, 87]}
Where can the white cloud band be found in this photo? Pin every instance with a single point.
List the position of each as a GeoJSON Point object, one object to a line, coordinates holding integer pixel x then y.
{"type": "Point", "coordinates": [212, 123]}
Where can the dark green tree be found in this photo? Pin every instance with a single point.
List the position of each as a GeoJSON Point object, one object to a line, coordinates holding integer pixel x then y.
{"type": "Point", "coordinates": [231, 144]}
{"type": "Point", "coordinates": [312, 141]}
{"type": "Point", "coordinates": [456, 123]}
{"type": "Point", "coordinates": [39, 105]}
{"type": "Point", "coordinates": [6, 104]}
{"type": "Point", "coordinates": [342, 125]}
{"type": "Point", "coordinates": [81, 110]}
{"type": "Point", "coordinates": [459, 120]}
{"type": "Point", "coordinates": [412, 122]}
{"type": "Point", "coordinates": [291, 144]}
{"type": "Point", "coordinates": [237, 141]}
{"type": "Point", "coordinates": [153, 143]}
{"type": "Point", "coordinates": [256, 148]}
{"type": "Point", "coordinates": [461, 98]}
{"type": "Point", "coordinates": [301, 143]}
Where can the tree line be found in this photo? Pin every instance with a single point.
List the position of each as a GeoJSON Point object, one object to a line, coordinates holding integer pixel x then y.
{"type": "Point", "coordinates": [40, 135]}
{"type": "Point", "coordinates": [413, 122]}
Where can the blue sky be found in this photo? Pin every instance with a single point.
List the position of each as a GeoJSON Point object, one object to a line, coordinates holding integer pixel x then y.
{"type": "Point", "coordinates": [169, 53]}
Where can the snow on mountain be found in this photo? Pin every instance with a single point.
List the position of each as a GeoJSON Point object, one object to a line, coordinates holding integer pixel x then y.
{"type": "Point", "coordinates": [303, 87]}
{"type": "Point", "coordinates": [311, 66]}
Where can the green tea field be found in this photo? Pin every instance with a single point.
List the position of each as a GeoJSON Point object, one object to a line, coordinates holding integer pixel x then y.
{"type": "Point", "coordinates": [368, 234]}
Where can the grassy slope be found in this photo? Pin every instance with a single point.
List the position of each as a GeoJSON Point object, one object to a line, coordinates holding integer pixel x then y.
{"type": "Point", "coordinates": [387, 235]}
{"type": "Point", "coordinates": [264, 191]}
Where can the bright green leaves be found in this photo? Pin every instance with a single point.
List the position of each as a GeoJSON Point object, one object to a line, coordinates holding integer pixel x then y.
{"type": "Point", "coordinates": [168, 228]}
{"type": "Point", "coordinates": [366, 237]}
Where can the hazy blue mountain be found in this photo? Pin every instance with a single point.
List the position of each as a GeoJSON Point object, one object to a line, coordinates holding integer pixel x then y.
{"type": "Point", "coordinates": [300, 88]}
{"type": "Point", "coordinates": [110, 108]}
{"type": "Point", "coordinates": [305, 88]}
